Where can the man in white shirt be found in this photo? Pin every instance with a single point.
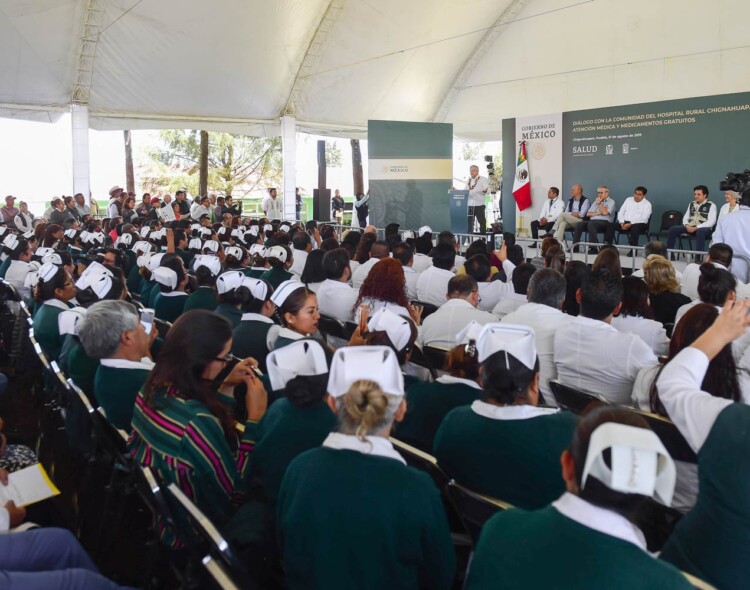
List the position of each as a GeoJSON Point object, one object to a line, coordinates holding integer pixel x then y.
{"type": "Point", "coordinates": [551, 210]}
{"type": "Point", "coordinates": [378, 251]}
{"type": "Point", "coordinates": [477, 187]}
{"type": "Point", "coordinates": [422, 249]}
{"type": "Point", "coordinates": [490, 292]}
{"type": "Point", "coordinates": [301, 247]}
{"type": "Point", "coordinates": [273, 207]}
{"type": "Point", "coordinates": [542, 313]}
{"type": "Point", "coordinates": [593, 356]}
{"type": "Point", "coordinates": [720, 255]}
{"type": "Point", "coordinates": [335, 297]}
{"type": "Point", "coordinates": [699, 220]}
{"type": "Point", "coordinates": [661, 250]}
{"type": "Point", "coordinates": [440, 328]}
{"type": "Point", "coordinates": [200, 208]}
{"type": "Point", "coordinates": [405, 255]}
{"type": "Point", "coordinates": [734, 230]}
{"type": "Point", "coordinates": [81, 206]}
{"type": "Point", "coordinates": [447, 237]}
{"type": "Point", "coordinates": [634, 215]}
{"type": "Point", "coordinates": [432, 284]}
{"type": "Point", "coordinates": [512, 301]}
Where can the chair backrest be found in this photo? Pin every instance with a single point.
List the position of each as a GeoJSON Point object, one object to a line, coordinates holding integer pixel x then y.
{"type": "Point", "coordinates": [218, 574]}
{"type": "Point", "coordinates": [427, 308]}
{"type": "Point", "coordinates": [670, 436]}
{"type": "Point", "coordinates": [218, 546]}
{"type": "Point", "coordinates": [163, 327]}
{"type": "Point", "coordinates": [575, 400]}
{"type": "Point", "coordinates": [8, 292]}
{"type": "Point", "coordinates": [436, 355]}
{"type": "Point", "coordinates": [422, 461]}
{"type": "Point", "coordinates": [473, 509]}
{"type": "Point", "coordinates": [698, 583]}
{"type": "Point", "coordinates": [38, 350]}
{"type": "Point", "coordinates": [331, 326]}
{"type": "Point", "coordinates": [113, 440]}
{"type": "Point", "coordinates": [419, 358]}
{"type": "Point", "coordinates": [670, 219]}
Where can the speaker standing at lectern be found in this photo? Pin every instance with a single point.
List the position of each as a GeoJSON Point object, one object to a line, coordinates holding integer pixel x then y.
{"type": "Point", "coordinates": [477, 187]}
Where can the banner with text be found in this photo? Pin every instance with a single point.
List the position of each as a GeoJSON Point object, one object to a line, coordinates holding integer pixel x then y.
{"type": "Point", "coordinates": [410, 168]}
{"type": "Point", "coordinates": [543, 137]}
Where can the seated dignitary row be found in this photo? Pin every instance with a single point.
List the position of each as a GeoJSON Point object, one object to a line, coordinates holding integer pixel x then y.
{"type": "Point", "coordinates": [601, 215]}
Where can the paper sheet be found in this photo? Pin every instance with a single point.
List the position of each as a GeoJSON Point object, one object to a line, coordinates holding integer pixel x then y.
{"type": "Point", "coordinates": [28, 486]}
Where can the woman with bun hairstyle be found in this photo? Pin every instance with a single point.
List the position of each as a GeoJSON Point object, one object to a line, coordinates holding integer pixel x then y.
{"type": "Point", "coordinates": [351, 513]}
{"type": "Point", "coordinates": [206, 269]}
{"type": "Point", "coordinates": [429, 403]}
{"type": "Point", "coordinates": [505, 445]}
{"type": "Point", "coordinates": [279, 259]}
{"type": "Point", "coordinates": [172, 279]}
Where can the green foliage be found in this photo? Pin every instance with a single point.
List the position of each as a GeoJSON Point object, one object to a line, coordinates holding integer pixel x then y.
{"type": "Point", "coordinates": [237, 164]}
{"type": "Point", "coordinates": [334, 157]}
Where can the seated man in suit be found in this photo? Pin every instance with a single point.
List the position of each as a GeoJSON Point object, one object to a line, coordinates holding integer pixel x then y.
{"type": "Point", "coordinates": [592, 355]}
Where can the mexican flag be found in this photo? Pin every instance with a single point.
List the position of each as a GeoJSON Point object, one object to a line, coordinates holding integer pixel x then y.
{"type": "Point", "coordinates": [522, 184]}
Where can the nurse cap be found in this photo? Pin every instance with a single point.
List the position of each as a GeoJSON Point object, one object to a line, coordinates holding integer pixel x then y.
{"type": "Point", "coordinates": [229, 281]}
{"type": "Point", "coordinates": [257, 287]}
{"type": "Point", "coordinates": [284, 290]}
{"type": "Point", "coordinates": [640, 463]}
{"type": "Point", "coordinates": [370, 363]}
{"type": "Point", "coordinates": [301, 358]}
{"type": "Point", "coordinates": [165, 276]}
{"type": "Point", "coordinates": [397, 327]}
{"type": "Point", "coordinates": [212, 263]}
{"type": "Point", "coordinates": [516, 341]}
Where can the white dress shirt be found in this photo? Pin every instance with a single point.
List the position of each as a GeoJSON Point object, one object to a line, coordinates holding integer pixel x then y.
{"type": "Point", "coordinates": [508, 304]}
{"type": "Point", "coordinates": [145, 364]}
{"type": "Point", "coordinates": [477, 188]}
{"type": "Point", "coordinates": [112, 208]}
{"type": "Point", "coordinates": [16, 276]}
{"type": "Point", "coordinates": [411, 276]}
{"type": "Point", "coordinates": [551, 209]}
{"type": "Point", "coordinates": [545, 321]}
{"type": "Point", "coordinates": [734, 230]}
{"type": "Point", "coordinates": [634, 212]}
{"type": "Point", "coordinates": [337, 299]}
{"type": "Point", "coordinates": [299, 259]}
{"type": "Point", "coordinates": [491, 293]}
{"type": "Point", "coordinates": [593, 356]}
{"type": "Point", "coordinates": [273, 208]}
{"type": "Point", "coordinates": [197, 210]}
{"type": "Point", "coordinates": [432, 285]}
{"type": "Point", "coordinates": [359, 275]}
{"type": "Point", "coordinates": [421, 262]}
{"type": "Point", "coordinates": [725, 209]}
{"type": "Point", "coordinates": [441, 327]}
{"type": "Point", "coordinates": [692, 410]}
{"type": "Point", "coordinates": [24, 222]}
{"type": "Point", "coordinates": [650, 331]}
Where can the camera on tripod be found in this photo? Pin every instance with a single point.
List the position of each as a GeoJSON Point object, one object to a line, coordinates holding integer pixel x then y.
{"type": "Point", "coordinates": [738, 182]}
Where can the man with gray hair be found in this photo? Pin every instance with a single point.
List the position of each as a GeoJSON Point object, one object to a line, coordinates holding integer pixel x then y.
{"type": "Point", "coordinates": [660, 249]}
{"type": "Point", "coordinates": [542, 313]}
{"type": "Point", "coordinates": [598, 218]}
{"type": "Point", "coordinates": [112, 332]}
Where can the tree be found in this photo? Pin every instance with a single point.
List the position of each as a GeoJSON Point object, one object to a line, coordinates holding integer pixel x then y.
{"type": "Point", "coordinates": [237, 164]}
{"type": "Point", "coordinates": [203, 165]}
{"type": "Point", "coordinates": [357, 176]}
{"type": "Point", "coordinates": [472, 151]}
{"type": "Point", "coordinates": [129, 174]}
{"type": "Point", "coordinates": [334, 157]}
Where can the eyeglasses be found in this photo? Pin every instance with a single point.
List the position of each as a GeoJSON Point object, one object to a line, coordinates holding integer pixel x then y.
{"type": "Point", "coordinates": [224, 359]}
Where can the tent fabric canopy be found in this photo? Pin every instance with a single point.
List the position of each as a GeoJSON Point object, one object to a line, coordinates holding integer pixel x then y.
{"type": "Point", "coordinates": [238, 65]}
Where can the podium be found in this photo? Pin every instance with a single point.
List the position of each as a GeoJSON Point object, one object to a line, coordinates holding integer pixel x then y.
{"type": "Point", "coordinates": [459, 202]}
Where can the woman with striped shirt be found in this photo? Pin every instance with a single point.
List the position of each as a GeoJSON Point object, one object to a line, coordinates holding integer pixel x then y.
{"type": "Point", "coordinates": [184, 430]}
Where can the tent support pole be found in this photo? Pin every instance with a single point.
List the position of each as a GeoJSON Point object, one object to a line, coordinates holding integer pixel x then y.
{"type": "Point", "coordinates": [79, 120]}
{"type": "Point", "coordinates": [289, 158]}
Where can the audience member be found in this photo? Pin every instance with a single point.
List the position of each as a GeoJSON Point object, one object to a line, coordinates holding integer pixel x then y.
{"type": "Point", "coordinates": [716, 286]}
{"type": "Point", "coordinates": [593, 356]}
{"type": "Point", "coordinates": [404, 253]}
{"type": "Point", "coordinates": [636, 316]}
{"type": "Point", "coordinates": [663, 288]}
{"type": "Point", "coordinates": [335, 297]}
{"type": "Point", "coordinates": [298, 309]}
{"type": "Point", "coordinates": [512, 301]}
{"type": "Point", "coordinates": [378, 251]}
{"type": "Point", "coordinates": [366, 392]}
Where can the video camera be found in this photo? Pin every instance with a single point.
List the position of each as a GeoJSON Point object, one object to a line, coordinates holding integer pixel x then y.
{"type": "Point", "coordinates": [738, 182]}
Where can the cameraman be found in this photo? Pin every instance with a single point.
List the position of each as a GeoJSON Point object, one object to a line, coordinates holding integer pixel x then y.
{"type": "Point", "coordinates": [734, 230]}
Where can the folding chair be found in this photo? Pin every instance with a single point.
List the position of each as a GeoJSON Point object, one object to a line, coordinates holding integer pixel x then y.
{"type": "Point", "coordinates": [697, 582]}
{"type": "Point", "coordinates": [668, 220]}
{"type": "Point", "coordinates": [419, 358]}
{"type": "Point", "coordinates": [218, 574]}
{"type": "Point", "coordinates": [473, 509]}
{"type": "Point", "coordinates": [575, 400]}
{"type": "Point", "coordinates": [670, 436]}
{"type": "Point", "coordinates": [331, 326]}
{"type": "Point", "coordinates": [436, 356]}
{"type": "Point", "coordinates": [190, 520]}
{"type": "Point", "coordinates": [163, 327]}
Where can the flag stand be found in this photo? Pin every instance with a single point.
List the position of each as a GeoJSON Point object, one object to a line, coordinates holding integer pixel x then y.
{"type": "Point", "coordinates": [521, 231]}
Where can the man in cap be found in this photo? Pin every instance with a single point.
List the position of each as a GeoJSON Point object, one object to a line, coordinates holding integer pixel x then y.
{"type": "Point", "coordinates": [114, 209]}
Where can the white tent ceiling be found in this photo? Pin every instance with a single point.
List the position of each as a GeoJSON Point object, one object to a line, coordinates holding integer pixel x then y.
{"type": "Point", "coordinates": [238, 65]}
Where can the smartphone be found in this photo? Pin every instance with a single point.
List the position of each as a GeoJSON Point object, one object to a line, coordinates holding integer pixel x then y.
{"type": "Point", "coordinates": [147, 319]}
